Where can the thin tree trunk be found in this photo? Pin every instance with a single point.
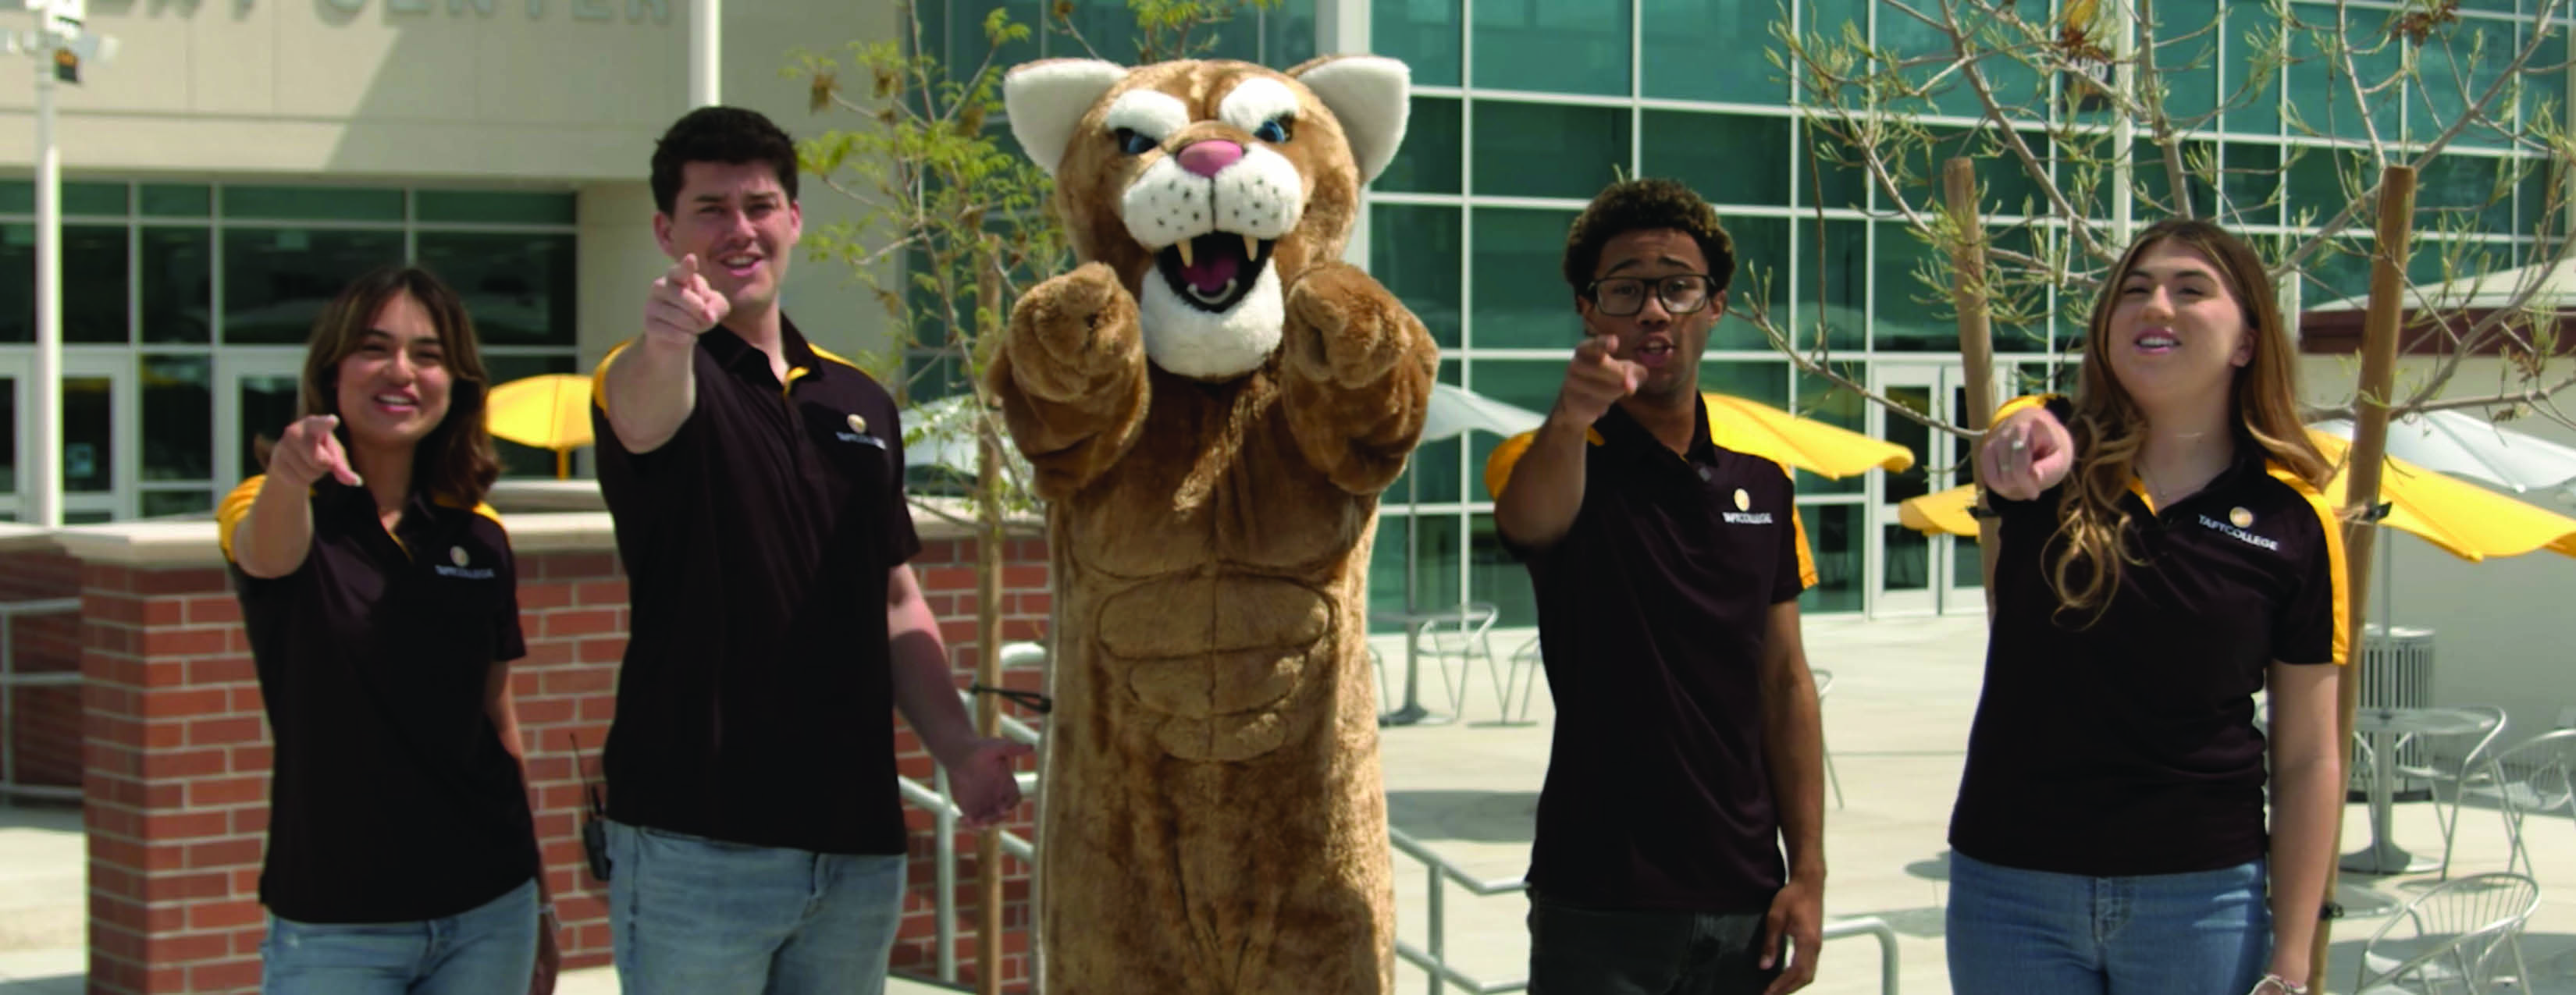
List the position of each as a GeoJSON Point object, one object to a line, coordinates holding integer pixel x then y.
{"type": "Point", "coordinates": [1976, 341]}
{"type": "Point", "coordinates": [988, 632]}
{"type": "Point", "coordinates": [2361, 491]}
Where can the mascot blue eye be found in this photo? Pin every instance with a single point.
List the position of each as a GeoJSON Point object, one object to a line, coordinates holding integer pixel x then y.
{"type": "Point", "coordinates": [1273, 131]}
{"type": "Point", "coordinates": [1132, 143]}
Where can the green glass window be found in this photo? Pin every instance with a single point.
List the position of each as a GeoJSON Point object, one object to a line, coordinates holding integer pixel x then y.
{"type": "Point", "coordinates": [1430, 477]}
{"type": "Point", "coordinates": [1429, 159]}
{"type": "Point", "coordinates": [1761, 380]}
{"type": "Point", "coordinates": [276, 280]}
{"type": "Point", "coordinates": [19, 197]}
{"type": "Point", "coordinates": [1833, 404]}
{"type": "Point", "coordinates": [2007, 183]}
{"type": "Point", "coordinates": [1830, 172]}
{"type": "Point", "coordinates": [1761, 276]}
{"type": "Point", "coordinates": [1288, 33]}
{"type": "Point", "coordinates": [159, 503]}
{"type": "Point", "coordinates": [1548, 150]}
{"type": "Point", "coordinates": [1552, 46]}
{"type": "Point", "coordinates": [1906, 313]}
{"type": "Point", "coordinates": [2449, 82]}
{"type": "Point", "coordinates": [519, 288]}
{"type": "Point", "coordinates": [1833, 539]}
{"type": "Point", "coordinates": [2154, 189]}
{"type": "Point", "coordinates": [515, 207]}
{"type": "Point", "coordinates": [2321, 181]}
{"type": "Point", "coordinates": [2540, 100]}
{"type": "Point", "coordinates": [2322, 100]}
{"type": "Point", "coordinates": [1428, 546]}
{"type": "Point", "coordinates": [2187, 58]}
{"type": "Point", "coordinates": [1841, 259]}
{"type": "Point", "coordinates": [89, 436]}
{"type": "Point", "coordinates": [94, 301]}
{"type": "Point", "coordinates": [1414, 251]}
{"type": "Point", "coordinates": [2340, 271]}
{"type": "Point", "coordinates": [2536, 194]}
{"type": "Point", "coordinates": [1694, 50]}
{"type": "Point", "coordinates": [2257, 112]}
{"type": "Point", "coordinates": [1521, 299]}
{"type": "Point", "coordinates": [178, 285]}
{"type": "Point", "coordinates": [2250, 183]}
{"type": "Point", "coordinates": [1728, 158]}
{"type": "Point", "coordinates": [313, 203]}
{"type": "Point", "coordinates": [1528, 384]}
{"type": "Point", "coordinates": [1423, 33]}
{"type": "Point", "coordinates": [2463, 193]}
{"type": "Point", "coordinates": [178, 200]}
{"type": "Point", "coordinates": [178, 417]}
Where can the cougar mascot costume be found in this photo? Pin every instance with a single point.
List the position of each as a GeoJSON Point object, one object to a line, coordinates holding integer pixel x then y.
{"type": "Point", "coordinates": [1212, 402]}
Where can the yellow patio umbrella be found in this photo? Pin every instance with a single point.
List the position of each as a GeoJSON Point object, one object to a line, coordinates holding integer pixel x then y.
{"type": "Point", "coordinates": [2469, 521]}
{"type": "Point", "coordinates": [548, 411]}
{"type": "Point", "coordinates": [1804, 443]}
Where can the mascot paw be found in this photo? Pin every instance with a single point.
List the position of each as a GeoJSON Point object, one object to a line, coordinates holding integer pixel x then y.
{"type": "Point", "coordinates": [1073, 328]}
{"type": "Point", "coordinates": [1344, 328]}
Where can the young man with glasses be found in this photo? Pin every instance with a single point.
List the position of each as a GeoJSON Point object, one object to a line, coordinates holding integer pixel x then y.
{"type": "Point", "coordinates": [1667, 570]}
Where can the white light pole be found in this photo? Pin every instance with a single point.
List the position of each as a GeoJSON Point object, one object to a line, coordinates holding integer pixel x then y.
{"type": "Point", "coordinates": [706, 52]}
{"type": "Point", "coordinates": [59, 46]}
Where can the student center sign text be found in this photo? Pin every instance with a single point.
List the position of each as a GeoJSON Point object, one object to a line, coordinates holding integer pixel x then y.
{"type": "Point", "coordinates": [658, 11]}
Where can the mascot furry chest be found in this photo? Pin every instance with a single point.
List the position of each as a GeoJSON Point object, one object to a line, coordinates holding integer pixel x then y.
{"type": "Point", "coordinates": [1212, 402]}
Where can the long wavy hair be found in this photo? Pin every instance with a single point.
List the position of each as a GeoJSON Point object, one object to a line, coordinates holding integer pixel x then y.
{"type": "Point", "coordinates": [455, 462]}
{"type": "Point", "coordinates": [2109, 429]}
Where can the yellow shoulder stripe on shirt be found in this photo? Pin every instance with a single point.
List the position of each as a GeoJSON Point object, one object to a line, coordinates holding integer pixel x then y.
{"type": "Point", "coordinates": [2332, 525]}
{"type": "Point", "coordinates": [599, 375]}
{"type": "Point", "coordinates": [1498, 474]}
{"type": "Point", "coordinates": [233, 508]}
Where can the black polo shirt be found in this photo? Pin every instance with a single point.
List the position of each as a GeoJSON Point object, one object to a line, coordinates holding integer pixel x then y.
{"type": "Point", "coordinates": [2129, 747]}
{"type": "Point", "coordinates": [756, 703]}
{"type": "Point", "coordinates": [1653, 616]}
{"type": "Point", "coordinates": [391, 797]}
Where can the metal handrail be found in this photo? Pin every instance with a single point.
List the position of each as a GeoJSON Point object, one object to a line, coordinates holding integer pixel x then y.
{"type": "Point", "coordinates": [1435, 962]}
{"type": "Point", "coordinates": [11, 680]}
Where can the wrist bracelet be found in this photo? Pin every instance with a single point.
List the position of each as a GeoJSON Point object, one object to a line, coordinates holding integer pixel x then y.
{"type": "Point", "coordinates": [2281, 983]}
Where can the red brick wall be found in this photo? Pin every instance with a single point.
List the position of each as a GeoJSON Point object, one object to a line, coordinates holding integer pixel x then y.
{"type": "Point", "coordinates": [43, 722]}
{"type": "Point", "coordinates": [177, 761]}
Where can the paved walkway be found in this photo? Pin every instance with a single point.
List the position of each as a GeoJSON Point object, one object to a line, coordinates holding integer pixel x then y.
{"type": "Point", "coordinates": [1895, 722]}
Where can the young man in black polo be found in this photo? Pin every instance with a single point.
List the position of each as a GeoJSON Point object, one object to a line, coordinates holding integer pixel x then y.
{"type": "Point", "coordinates": [1667, 570]}
{"type": "Point", "coordinates": [756, 837]}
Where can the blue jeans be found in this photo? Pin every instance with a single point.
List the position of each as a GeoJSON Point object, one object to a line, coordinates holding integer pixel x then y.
{"type": "Point", "coordinates": [491, 948]}
{"type": "Point", "coordinates": [695, 916]}
{"type": "Point", "coordinates": [2010, 931]}
{"type": "Point", "coordinates": [1576, 950]}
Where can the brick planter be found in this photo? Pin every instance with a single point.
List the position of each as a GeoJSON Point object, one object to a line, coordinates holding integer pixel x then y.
{"type": "Point", "coordinates": [176, 754]}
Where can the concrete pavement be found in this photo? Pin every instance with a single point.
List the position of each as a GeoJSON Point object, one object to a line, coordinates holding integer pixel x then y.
{"type": "Point", "coordinates": [1896, 725]}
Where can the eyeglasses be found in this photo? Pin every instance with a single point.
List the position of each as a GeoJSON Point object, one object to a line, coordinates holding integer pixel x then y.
{"type": "Point", "coordinates": [1621, 296]}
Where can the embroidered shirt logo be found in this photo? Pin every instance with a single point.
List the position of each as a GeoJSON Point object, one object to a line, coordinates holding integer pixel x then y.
{"type": "Point", "coordinates": [2238, 533]}
{"type": "Point", "coordinates": [858, 433]}
{"type": "Point", "coordinates": [1743, 513]}
{"type": "Point", "coordinates": [2241, 518]}
{"type": "Point", "coordinates": [458, 556]}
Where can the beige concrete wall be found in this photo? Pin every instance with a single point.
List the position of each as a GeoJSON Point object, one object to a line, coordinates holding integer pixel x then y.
{"type": "Point", "coordinates": [2502, 629]}
{"type": "Point", "coordinates": [395, 88]}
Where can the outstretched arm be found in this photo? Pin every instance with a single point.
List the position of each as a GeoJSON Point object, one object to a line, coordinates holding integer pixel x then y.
{"type": "Point", "coordinates": [1358, 375]}
{"type": "Point", "coordinates": [1071, 376]}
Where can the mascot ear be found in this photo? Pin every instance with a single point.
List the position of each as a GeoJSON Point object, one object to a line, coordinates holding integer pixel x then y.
{"type": "Point", "coordinates": [1370, 95]}
{"type": "Point", "coordinates": [1046, 100]}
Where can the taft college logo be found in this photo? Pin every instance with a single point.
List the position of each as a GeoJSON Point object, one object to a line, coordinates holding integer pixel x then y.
{"type": "Point", "coordinates": [2234, 528]}
{"type": "Point", "coordinates": [463, 566]}
{"type": "Point", "coordinates": [1743, 513]}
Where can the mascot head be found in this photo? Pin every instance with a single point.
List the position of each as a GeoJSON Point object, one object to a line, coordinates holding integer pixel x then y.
{"type": "Point", "coordinates": [1209, 185]}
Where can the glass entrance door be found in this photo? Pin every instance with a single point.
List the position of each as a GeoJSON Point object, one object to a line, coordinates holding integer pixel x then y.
{"type": "Point", "coordinates": [1914, 573]}
{"type": "Point", "coordinates": [98, 412]}
{"type": "Point", "coordinates": [256, 398]}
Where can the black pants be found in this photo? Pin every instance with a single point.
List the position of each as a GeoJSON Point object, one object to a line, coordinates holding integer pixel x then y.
{"type": "Point", "coordinates": [1576, 950]}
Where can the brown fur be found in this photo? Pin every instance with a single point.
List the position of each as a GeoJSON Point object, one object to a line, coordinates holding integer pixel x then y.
{"type": "Point", "coordinates": [1213, 820]}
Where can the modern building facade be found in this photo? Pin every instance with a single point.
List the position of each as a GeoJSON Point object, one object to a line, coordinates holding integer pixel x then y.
{"type": "Point", "coordinates": [240, 158]}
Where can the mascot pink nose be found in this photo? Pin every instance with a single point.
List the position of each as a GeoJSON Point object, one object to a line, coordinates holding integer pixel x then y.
{"type": "Point", "coordinates": [1206, 158]}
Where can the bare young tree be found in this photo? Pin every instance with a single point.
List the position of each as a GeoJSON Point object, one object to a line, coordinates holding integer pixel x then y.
{"type": "Point", "coordinates": [2075, 124]}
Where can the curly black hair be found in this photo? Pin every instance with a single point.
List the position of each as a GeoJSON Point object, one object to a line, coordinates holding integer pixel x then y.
{"type": "Point", "coordinates": [1643, 204]}
{"type": "Point", "coordinates": [729, 135]}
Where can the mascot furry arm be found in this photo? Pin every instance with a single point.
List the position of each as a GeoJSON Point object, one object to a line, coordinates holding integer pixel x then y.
{"type": "Point", "coordinates": [1212, 402]}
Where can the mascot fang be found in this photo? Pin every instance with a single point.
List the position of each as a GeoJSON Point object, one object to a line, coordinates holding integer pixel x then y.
{"type": "Point", "coordinates": [1212, 402]}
